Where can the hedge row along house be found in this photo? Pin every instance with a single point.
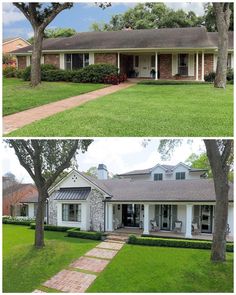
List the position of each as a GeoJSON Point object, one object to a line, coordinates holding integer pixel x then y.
{"type": "Point", "coordinates": [173, 53]}
{"type": "Point", "coordinates": [150, 201]}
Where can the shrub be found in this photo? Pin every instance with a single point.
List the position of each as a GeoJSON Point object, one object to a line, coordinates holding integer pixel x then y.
{"type": "Point", "coordinates": [17, 220]}
{"type": "Point", "coordinates": [170, 82]}
{"type": "Point", "coordinates": [52, 227]}
{"type": "Point", "coordinates": [75, 232]}
{"type": "Point", "coordinates": [44, 68]}
{"type": "Point", "coordinates": [9, 72]}
{"type": "Point", "coordinates": [210, 77]}
{"type": "Point", "coordinates": [19, 74]}
{"type": "Point", "coordinates": [164, 242]}
{"type": "Point", "coordinates": [230, 75]}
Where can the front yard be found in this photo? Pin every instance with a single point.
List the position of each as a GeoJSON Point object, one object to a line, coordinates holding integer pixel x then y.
{"type": "Point", "coordinates": [145, 110]}
{"type": "Point", "coordinates": [19, 96]}
{"type": "Point", "coordinates": [134, 269]}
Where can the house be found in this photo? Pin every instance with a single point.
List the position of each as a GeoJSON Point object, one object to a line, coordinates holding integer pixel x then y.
{"type": "Point", "coordinates": [164, 194]}
{"type": "Point", "coordinates": [12, 44]}
{"type": "Point", "coordinates": [183, 53]}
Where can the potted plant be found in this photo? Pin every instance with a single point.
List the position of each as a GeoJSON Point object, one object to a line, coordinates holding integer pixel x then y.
{"type": "Point", "coordinates": [153, 73]}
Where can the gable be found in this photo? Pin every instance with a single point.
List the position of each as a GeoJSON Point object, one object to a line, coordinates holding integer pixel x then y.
{"type": "Point", "coordinates": [73, 179]}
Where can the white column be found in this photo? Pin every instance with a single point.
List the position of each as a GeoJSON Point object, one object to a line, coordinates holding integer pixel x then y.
{"type": "Point", "coordinates": [197, 66]}
{"type": "Point", "coordinates": [28, 60]}
{"type": "Point", "coordinates": [156, 66]}
{"type": "Point", "coordinates": [42, 59]}
{"type": "Point", "coordinates": [189, 209]}
{"type": "Point", "coordinates": [118, 61]}
{"type": "Point", "coordinates": [203, 66]}
{"type": "Point", "coordinates": [91, 58]}
{"type": "Point", "coordinates": [146, 219]}
{"type": "Point", "coordinates": [109, 217]}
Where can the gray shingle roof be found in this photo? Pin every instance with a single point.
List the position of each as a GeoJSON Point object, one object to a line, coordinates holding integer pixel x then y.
{"type": "Point", "coordinates": [194, 37]}
{"type": "Point", "coordinates": [80, 193]}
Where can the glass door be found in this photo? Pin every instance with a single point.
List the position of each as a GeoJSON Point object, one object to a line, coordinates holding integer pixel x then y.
{"type": "Point", "coordinates": [131, 215]}
{"type": "Point", "coordinates": [206, 218]}
{"type": "Point", "coordinates": [165, 217]}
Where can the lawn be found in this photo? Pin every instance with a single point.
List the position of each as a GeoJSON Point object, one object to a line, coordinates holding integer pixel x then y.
{"type": "Point", "coordinates": [158, 269]}
{"type": "Point", "coordinates": [25, 268]}
{"type": "Point", "coordinates": [19, 96]}
{"type": "Point", "coordinates": [145, 110]}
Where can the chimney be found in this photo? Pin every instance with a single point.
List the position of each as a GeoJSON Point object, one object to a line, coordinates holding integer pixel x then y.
{"type": "Point", "coordinates": [102, 172]}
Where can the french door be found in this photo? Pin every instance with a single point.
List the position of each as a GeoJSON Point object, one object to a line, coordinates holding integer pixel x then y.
{"type": "Point", "coordinates": [131, 215]}
{"type": "Point", "coordinates": [206, 218]}
{"type": "Point", "coordinates": [165, 217]}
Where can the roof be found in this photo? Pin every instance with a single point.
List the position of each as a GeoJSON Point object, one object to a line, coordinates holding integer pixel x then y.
{"type": "Point", "coordinates": [168, 168]}
{"type": "Point", "coordinates": [80, 193]}
{"type": "Point", "coordinates": [167, 38]}
{"type": "Point", "coordinates": [197, 190]}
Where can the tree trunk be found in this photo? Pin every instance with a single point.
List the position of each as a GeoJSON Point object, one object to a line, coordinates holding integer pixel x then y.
{"type": "Point", "coordinates": [222, 15]}
{"type": "Point", "coordinates": [221, 209]}
{"type": "Point", "coordinates": [36, 58]}
{"type": "Point", "coordinates": [39, 227]}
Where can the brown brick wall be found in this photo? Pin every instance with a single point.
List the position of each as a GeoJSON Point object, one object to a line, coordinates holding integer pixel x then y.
{"type": "Point", "coordinates": [165, 66]}
{"type": "Point", "coordinates": [52, 59]}
{"type": "Point", "coordinates": [21, 60]}
{"type": "Point", "coordinates": [105, 58]}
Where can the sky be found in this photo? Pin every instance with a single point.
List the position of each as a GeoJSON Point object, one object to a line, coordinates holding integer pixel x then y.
{"type": "Point", "coordinates": [80, 17]}
{"type": "Point", "coordinates": [118, 154]}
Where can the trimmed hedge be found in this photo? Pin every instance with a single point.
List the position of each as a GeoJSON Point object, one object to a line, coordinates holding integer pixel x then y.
{"type": "Point", "coordinates": [170, 82]}
{"type": "Point", "coordinates": [52, 227]}
{"type": "Point", "coordinates": [16, 222]}
{"type": "Point", "coordinates": [76, 233]}
{"type": "Point", "coordinates": [178, 243]}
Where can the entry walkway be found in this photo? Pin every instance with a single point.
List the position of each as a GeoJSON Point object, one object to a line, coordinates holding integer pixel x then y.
{"type": "Point", "coordinates": [19, 120]}
{"type": "Point", "coordinates": [82, 272]}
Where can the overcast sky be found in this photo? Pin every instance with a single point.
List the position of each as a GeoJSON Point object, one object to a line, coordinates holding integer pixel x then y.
{"type": "Point", "coordinates": [118, 154]}
{"type": "Point", "coordinates": [80, 17]}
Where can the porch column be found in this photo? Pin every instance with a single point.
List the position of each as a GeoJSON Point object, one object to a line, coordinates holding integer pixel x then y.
{"type": "Point", "coordinates": [146, 219]}
{"type": "Point", "coordinates": [203, 66]}
{"type": "Point", "coordinates": [109, 217]}
{"type": "Point", "coordinates": [197, 66]}
{"type": "Point", "coordinates": [189, 209]}
{"type": "Point", "coordinates": [156, 66]}
{"type": "Point", "coordinates": [118, 61]}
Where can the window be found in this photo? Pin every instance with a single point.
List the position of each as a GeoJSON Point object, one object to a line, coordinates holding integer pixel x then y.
{"type": "Point", "coordinates": [153, 59]}
{"type": "Point", "coordinates": [24, 210]}
{"type": "Point", "coordinates": [229, 65]}
{"type": "Point", "coordinates": [158, 176]}
{"type": "Point", "coordinates": [71, 212]}
{"type": "Point", "coordinates": [136, 61]}
{"type": "Point", "coordinates": [180, 175]}
{"type": "Point", "coordinates": [76, 61]}
{"type": "Point", "coordinates": [183, 65]}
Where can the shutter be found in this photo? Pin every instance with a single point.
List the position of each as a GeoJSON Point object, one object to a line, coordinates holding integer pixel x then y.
{"type": "Point", "coordinates": [191, 65]}
{"type": "Point", "coordinates": [174, 64]}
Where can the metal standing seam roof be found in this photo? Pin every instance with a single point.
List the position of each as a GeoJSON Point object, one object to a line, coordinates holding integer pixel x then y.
{"type": "Point", "coordinates": [167, 38]}
{"type": "Point", "coordinates": [80, 193]}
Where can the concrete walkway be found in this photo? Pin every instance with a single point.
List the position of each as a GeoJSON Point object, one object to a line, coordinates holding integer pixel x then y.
{"type": "Point", "coordinates": [82, 272]}
{"type": "Point", "coordinates": [19, 120]}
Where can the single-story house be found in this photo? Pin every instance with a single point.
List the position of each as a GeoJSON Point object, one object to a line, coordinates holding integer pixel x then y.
{"type": "Point", "coordinates": [159, 198]}
{"type": "Point", "coordinates": [170, 53]}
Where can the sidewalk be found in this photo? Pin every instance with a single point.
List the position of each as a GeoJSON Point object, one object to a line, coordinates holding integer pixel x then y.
{"type": "Point", "coordinates": [19, 120]}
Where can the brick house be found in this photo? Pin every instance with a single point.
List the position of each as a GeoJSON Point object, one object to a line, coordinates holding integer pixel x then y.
{"type": "Point", "coordinates": [183, 53]}
{"type": "Point", "coordinates": [14, 43]}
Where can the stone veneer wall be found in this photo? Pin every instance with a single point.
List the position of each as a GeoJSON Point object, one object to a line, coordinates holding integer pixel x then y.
{"type": "Point", "coordinates": [96, 205]}
{"type": "Point", "coordinates": [52, 210]}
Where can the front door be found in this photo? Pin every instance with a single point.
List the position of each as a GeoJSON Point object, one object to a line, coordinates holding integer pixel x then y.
{"type": "Point", "coordinates": [131, 215]}
{"type": "Point", "coordinates": [144, 65]}
{"type": "Point", "coordinates": [206, 218]}
{"type": "Point", "coordinates": [165, 217]}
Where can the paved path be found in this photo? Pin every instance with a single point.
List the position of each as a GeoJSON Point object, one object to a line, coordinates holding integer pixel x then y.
{"type": "Point", "coordinates": [83, 271]}
{"type": "Point", "coordinates": [18, 120]}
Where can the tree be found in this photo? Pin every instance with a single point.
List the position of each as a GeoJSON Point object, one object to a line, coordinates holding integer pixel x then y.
{"type": "Point", "coordinates": [45, 160]}
{"type": "Point", "coordinates": [92, 171]}
{"type": "Point", "coordinates": [222, 13]}
{"type": "Point", "coordinates": [40, 15]}
{"type": "Point", "coordinates": [220, 155]}
{"type": "Point", "coordinates": [199, 161]}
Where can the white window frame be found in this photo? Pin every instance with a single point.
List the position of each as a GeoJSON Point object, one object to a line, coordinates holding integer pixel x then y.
{"type": "Point", "coordinates": [71, 64]}
{"type": "Point", "coordinates": [79, 212]}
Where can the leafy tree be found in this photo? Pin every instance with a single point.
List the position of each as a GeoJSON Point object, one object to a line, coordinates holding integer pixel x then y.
{"type": "Point", "coordinates": [199, 161]}
{"type": "Point", "coordinates": [45, 160]}
{"type": "Point", "coordinates": [92, 171]}
{"type": "Point", "coordinates": [40, 15]}
{"type": "Point", "coordinates": [220, 156]}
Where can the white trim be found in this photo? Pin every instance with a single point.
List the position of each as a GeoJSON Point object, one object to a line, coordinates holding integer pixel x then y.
{"type": "Point", "coordinates": [91, 58]}
{"type": "Point", "coordinates": [156, 66]}
{"type": "Point", "coordinates": [62, 61]}
{"type": "Point", "coordinates": [214, 62]}
{"type": "Point", "coordinates": [27, 61]}
{"type": "Point", "coordinates": [146, 219]}
{"type": "Point", "coordinates": [42, 59]}
{"type": "Point", "coordinates": [189, 213]}
{"type": "Point", "coordinates": [203, 65]}
{"type": "Point", "coordinates": [197, 66]}
{"type": "Point", "coordinates": [232, 60]}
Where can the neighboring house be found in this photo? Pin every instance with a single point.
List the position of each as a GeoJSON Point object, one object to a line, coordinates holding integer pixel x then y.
{"type": "Point", "coordinates": [14, 43]}
{"type": "Point", "coordinates": [165, 194]}
{"type": "Point", "coordinates": [183, 53]}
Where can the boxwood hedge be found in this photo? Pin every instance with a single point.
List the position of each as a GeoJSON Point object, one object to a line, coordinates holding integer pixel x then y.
{"type": "Point", "coordinates": [16, 222]}
{"type": "Point", "coordinates": [179, 243]}
{"type": "Point", "coordinates": [52, 227]}
{"type": "Point", "coordinates": [75, 232]}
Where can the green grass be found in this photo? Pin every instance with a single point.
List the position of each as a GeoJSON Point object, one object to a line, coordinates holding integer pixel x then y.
{"type": "Point", "coordinates": [25, 268]}
{"type": "Point", "coordinates": [145, 110]}
{"type": "Point", "coordinates": [157, 269]}
{"type": "Point", "coordinates": [19, 96]}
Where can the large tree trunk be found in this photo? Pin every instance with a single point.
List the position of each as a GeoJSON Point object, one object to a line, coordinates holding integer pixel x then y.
{"type": "Point", "coordinates": [221, 208]}
{"type": "Point", "coordinates": [39, 227]}
{"type": "Point", "coordinates": [36, 58]}
{"type": "Point", "coordinates": [222, 15]}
